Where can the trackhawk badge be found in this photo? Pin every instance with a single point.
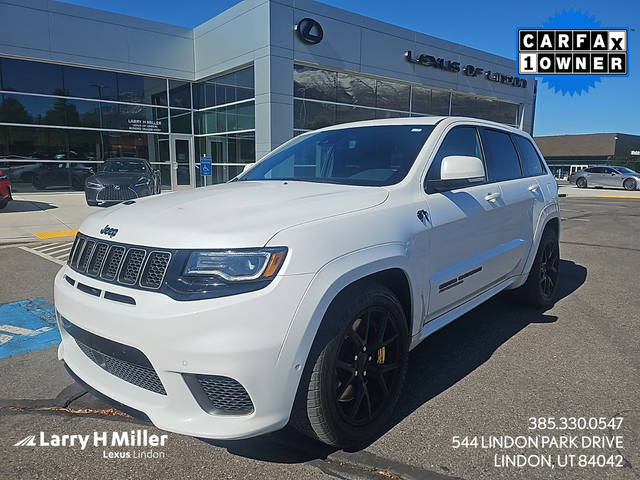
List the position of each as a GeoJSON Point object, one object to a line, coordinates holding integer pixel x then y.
{"type": "Point", "coordinates": [107, 230]}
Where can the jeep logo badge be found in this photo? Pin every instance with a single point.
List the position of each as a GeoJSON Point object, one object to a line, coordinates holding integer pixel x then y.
{"type": "Point", "coordinates": [107, 230]}
{"type": "Point", "coordinates": [309, 31]}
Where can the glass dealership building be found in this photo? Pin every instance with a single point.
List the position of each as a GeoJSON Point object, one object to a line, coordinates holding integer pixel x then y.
{"type": "Point", "coordinates": [78, 86]}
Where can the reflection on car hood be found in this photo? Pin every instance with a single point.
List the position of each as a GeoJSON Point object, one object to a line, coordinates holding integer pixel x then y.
{"type": "Point", "coordinates": [231, 215]}
{"type": "Point", "coordinates": [111, 178]}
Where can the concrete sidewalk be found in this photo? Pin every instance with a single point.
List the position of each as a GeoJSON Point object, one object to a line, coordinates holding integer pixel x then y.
{"type": "Point", "coordinates": [39, 216]}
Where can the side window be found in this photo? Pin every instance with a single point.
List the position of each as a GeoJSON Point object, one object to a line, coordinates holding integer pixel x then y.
{"type": "Point", "coordinates": [531, 162]}
{"type": "Point", "coordinates": [459, 141]}
{"type": "Point", "coordinates": [589, 170]}
{"type": "Point", "coordinates": [609, 170]}
{"type": "Point", "coordinates": [597, 170]}
{"type": "Point", "coordinates": [501, 157]}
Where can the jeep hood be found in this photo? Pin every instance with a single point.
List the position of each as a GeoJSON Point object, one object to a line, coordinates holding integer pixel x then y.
{"type": "Point", "coordinates": [230, 215]}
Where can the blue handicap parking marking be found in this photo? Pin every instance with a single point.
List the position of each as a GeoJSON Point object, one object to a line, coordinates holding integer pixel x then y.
{"type": "Point", "coordinates": [27, 325]}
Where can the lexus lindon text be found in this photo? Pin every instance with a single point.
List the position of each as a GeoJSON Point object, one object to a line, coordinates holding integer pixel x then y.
{"type": "Point", "coordinates": [294, 292]}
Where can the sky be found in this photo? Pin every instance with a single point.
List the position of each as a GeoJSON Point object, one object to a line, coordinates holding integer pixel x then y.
{"type": "Point", "coordinates": [612, 106]}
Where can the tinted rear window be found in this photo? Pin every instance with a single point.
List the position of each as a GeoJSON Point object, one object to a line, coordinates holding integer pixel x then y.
{"type": "Point", "coordinates": [500, 155]}
{"type": "Point", "coordinates": [531, 162]}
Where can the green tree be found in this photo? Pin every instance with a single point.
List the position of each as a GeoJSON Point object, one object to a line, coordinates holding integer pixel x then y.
{"type": "Point", "coordinates": [12, 111]}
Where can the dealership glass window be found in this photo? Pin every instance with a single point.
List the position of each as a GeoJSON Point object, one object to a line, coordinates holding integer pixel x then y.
{"type": "Point", "coordinates": [228, 88]}
{"type": "Point", "coordinates": [309, 82]}
{"type": "Point", "coordinates": [488, 109]}
{"type": "Point", "coordinates": [240, 116]}
{"type": "Point", "coordinates": [31, 77]}
{"type": "Point", "coordinates": [39, 158]}
{"type": "Point", "coordinates": [356, 90]}
{"type": "Point", "coordinates": [229, 153]}
{"type": "Point", "coordinates": [142, 89]}
{"type": "Point", "coordinates": [392, 95]}
{"type": "Point", "coordinates": [90, 83]}
{"type": "Point", "coordinates": [179, 94]}
{"type": "Point", "coordinates": [312, 115]}
{"type": "Point", "coordinates": [180, 121]}
{"type": "Point", "coordinates": [345, 114]}
{"type": "Point", "coordinates": [30, 109]}
{"type": "Point", "coordinates": [429, 100]}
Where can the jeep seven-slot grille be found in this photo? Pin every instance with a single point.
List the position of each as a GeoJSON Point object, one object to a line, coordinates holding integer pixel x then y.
{"type": "Point", "coordinates": [128, 265]}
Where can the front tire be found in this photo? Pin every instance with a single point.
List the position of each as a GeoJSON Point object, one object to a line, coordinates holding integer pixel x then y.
{"type": "Point", "coordinates": [629, 184]}
{"type": "Point", "coordinates": [542, 283]}
{"type": "Point", "coordinates": [356, 368]}
{"type": "Point", "coordinates": [581, 182]}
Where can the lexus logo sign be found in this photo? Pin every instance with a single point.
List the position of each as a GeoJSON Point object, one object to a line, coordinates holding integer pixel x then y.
{"type": "Point", "coordinates": [309, 31]}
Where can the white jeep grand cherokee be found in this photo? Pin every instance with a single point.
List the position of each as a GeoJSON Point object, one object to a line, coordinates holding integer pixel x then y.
{"type": "Point", "coordinates": [295, 291]}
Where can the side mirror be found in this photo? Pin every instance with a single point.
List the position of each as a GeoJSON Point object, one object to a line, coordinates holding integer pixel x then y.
{"type": "Point", "coordinates": [461, 167]}
{"type": "Point", "coordinates": [457, 171]}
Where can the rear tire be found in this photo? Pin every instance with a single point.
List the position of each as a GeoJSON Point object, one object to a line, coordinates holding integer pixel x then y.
{"type": "Point", "coordinates": [581, 182]}
{"type": "Point", "coordinates": [3, 203]}
{"type": "Point", "coordinates": [542, 283]}
{"type": "Point", "coordinates": [356, 368]}
{"type": "Point", "coordinates": [629, 184]}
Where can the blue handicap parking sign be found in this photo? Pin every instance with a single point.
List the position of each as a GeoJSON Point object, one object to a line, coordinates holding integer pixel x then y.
{"type": "Point", "coordinates": [27, 325]}
{"type": "Point", "coordinates": [205, 166]}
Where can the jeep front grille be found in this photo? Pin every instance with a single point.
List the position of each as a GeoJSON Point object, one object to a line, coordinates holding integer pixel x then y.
{"type": "Point", "coordinates": [128, 265]}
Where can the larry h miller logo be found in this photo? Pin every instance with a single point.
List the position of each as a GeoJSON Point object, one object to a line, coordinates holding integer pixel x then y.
{"type": "Point", "coordinates": [116, 445]}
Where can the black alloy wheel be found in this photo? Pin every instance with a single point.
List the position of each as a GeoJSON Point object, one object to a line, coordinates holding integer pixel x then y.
{"type": "Point", "coordinates": [549, 263]}
{"type": "Point", "coordinates": [629, 184]}
{"type": "Point", "coordinates": [354, 374]}
{"type": "Point", "coordinates": [365, 367]}
{"type": "Point", "coordinates": [542, 283]}
{"type": "Point", "coordinates": [581, 182]}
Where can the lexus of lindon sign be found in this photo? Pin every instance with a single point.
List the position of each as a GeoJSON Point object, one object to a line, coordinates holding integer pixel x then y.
{"type": "Point", "coordinates": [468, 70]}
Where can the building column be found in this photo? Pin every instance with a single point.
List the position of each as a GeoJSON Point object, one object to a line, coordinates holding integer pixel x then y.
{"type": "Point", "coordinates": [274, 102]}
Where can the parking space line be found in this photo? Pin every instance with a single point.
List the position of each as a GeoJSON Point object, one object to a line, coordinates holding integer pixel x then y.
{"type": "Point", "coordinates": [618, 196]}
{"type": "Point", "coordinates": [56, 234]}
{"type": "Point", "coordinates": [47, 246]}
{"type": "Point", "coordinates": [58, 251]}
{"type": "Point", "coordinates": [5, 338]}
{"type": "Point", "coordinates": [43, 255]}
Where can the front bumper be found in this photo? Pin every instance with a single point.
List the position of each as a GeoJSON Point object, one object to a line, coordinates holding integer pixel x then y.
{"type": "Point", "coordinates": [241, 337]}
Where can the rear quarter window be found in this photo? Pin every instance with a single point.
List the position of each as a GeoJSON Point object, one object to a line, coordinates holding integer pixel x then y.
{"type": "Point", "coordinates": [531, 161]}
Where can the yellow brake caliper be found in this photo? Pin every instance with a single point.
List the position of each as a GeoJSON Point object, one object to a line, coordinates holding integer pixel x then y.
{"type": "Point", "coordinates": [381, 355]}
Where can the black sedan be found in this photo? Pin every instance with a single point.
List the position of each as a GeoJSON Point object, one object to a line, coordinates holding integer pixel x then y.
{"type": "Point", "coordinates": [122, 179]}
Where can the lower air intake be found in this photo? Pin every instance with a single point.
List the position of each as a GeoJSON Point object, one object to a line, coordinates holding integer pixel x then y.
{"type": "Point", "coordinates": [219, 395]}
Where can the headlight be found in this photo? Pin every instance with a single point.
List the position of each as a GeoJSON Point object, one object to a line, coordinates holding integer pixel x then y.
{"type": "Point", "coordinates": [220, 273]}
{"type": "Point", "coordinates": [235, 265]}
{"type": "Point", "coordinates": [142, 182]}
{"type": "Point", "coordinates": [93, 185]}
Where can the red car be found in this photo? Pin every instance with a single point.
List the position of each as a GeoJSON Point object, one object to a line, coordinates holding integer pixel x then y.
{"type": "Point", "coordinates": [5, 189]}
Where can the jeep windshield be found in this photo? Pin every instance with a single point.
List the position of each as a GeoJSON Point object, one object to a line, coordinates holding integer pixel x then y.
{"type": "Point", "coordinates": [372, 156]}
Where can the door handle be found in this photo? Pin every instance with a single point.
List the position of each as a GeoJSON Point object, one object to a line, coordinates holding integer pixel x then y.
{"type": "Point", "coordinates": [533, 187]}
{"type": "Point", "coordinates": [492, 197]}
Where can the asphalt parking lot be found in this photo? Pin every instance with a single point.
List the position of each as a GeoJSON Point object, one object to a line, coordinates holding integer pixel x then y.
{"type": "Point", "coordinates": [485, 374]}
